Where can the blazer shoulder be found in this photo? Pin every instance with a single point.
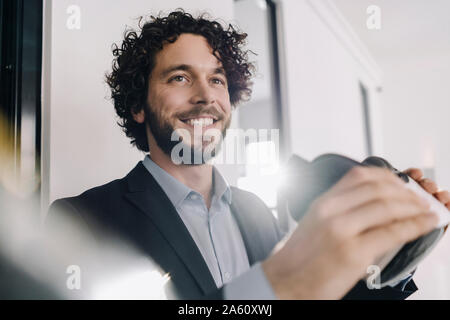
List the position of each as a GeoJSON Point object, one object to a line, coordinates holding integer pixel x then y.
{"type": "Point", "coordinates": [78, 209]}
{"type": "Point", "coordinates": [107, 190]}
{"type": "Point", "coordinates": [91, 196]}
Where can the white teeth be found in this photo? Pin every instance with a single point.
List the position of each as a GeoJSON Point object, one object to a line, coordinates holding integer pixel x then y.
{"type": "Point", "coordinates": [201, 122]}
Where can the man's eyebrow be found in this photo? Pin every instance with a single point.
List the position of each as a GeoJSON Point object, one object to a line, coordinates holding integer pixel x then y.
{"type": "Point", "coordinates": [219, 70]}
{"type": "Point", "coordinates": [178, 67]}
{"type": "Point", "coordinates": [185, 67]}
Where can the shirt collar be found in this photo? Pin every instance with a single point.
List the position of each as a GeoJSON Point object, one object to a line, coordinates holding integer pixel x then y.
{"type": "Point", "coordinates": [174, 189]}
{"type": "Point", "coordinates": [221, 186]}
{"type": "Point", "coordinates": [177, 191]}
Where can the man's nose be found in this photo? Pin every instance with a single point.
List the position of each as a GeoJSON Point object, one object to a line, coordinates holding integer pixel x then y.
{"type": "Point", "coordinates": [202, 93]}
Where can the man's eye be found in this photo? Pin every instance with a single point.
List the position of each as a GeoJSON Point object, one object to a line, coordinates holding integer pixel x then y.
{"type": "Point", "coordinates": [177, 79]}
{"type": "Point", "coordinates": [218, 81]}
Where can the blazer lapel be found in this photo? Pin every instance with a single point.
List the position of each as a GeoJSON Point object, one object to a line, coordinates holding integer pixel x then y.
{"type": "Point", "coordinates": [148, 196]}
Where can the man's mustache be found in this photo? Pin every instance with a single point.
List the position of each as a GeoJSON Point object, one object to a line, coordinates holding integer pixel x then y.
{"type": "Point", "coordinates": [200, 110]}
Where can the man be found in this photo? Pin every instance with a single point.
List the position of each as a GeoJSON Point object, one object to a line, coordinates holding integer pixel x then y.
{"type": "Point", "coordinates": [215, 241]}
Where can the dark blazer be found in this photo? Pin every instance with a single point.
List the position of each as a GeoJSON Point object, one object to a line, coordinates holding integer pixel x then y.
{"type": "Point", "coordinates": [137, 209]}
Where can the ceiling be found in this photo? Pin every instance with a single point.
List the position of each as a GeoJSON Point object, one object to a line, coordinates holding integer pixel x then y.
{"type": "Point", "coordinates": [408, 27]}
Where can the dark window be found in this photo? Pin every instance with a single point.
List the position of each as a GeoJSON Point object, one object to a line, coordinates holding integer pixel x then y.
{"type": "Point", "coordinates": [20, 83]}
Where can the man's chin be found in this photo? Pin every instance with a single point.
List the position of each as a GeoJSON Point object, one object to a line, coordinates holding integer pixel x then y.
{"type": "Point", "coordinates": [189, 155]}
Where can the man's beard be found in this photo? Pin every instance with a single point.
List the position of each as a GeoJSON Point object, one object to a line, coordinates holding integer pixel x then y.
{"type": "Point", "coordinates": [162, 131]}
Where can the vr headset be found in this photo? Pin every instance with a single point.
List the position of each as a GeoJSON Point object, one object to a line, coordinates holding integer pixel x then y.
{"type": "Point", "coordinates": [308, 180]}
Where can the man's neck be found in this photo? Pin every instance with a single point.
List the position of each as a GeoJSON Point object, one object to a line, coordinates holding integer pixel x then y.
{"type": "Point", "coordinates": [197, 177]}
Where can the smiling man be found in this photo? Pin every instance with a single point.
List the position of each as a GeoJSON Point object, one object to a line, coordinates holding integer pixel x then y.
{"type": "Point", "coordinates": [188, 89]}
{"type": "Point", "coordinates": [188, 93]}
{"type": "Point", "coordinates": [184, 75]}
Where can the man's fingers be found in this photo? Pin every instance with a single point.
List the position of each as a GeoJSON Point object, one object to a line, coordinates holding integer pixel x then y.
{"type": "Point", "coordinates": [360, 175]}
{"type": "Point", "coordinates": [361, 185]}
{"type": "Point", "coordinates": [379, 213]}
{"type": "Point", "coordinates": [429, 185]}
{"type": "Point", "coordinates": [414, 173]}
{"type": "Point", "coordinates": [444, 197]}
{"type": "Point", "coordinates": [372, 191]}
{"type": "Point", "coordinates": [385, 238]}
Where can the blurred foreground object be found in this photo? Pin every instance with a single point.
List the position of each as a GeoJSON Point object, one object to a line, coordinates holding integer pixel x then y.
{"type": "Point", "coordinates": [16, 230]}
{"type": "Point", "coordinates": [61, 261]}
{"type": "Point", "coordinates": [308, 180]}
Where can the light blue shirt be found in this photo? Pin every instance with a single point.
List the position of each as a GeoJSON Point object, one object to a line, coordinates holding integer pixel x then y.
{"type": "Point", "coordinates": [216, 234]}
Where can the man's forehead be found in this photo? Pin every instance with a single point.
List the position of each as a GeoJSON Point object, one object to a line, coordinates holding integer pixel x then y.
{"type": "Point", "coordinates": [188, 49]}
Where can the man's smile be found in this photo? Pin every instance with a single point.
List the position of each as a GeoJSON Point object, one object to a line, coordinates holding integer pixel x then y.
{"type": "Point", "coordinates": [202, 121]}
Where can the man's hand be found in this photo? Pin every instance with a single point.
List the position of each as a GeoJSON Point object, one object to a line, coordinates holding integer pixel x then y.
{"type": "Point", "coordinates": [366, 214]}
{"type": "Point", "coordinates": [429, 186]}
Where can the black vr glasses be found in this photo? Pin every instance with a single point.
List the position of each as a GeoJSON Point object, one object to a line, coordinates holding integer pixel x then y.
{"type": "Point", "coordinates": [305, 181]}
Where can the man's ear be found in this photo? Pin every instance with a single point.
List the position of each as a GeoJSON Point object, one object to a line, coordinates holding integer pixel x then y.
{"type": "Point", "coordinates": [139, 117]}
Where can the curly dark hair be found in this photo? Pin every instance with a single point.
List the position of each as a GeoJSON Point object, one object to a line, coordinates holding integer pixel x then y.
{"type": "Point", "coordinates": [135, 59]}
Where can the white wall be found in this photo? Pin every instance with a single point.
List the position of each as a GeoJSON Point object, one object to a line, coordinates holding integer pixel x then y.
{"type": "Point", "coordinates": [82, 146]}
{"type": "Point", "coordinates": [416, 113]}
{"type": "Point", "coordinates": [324, 63]}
